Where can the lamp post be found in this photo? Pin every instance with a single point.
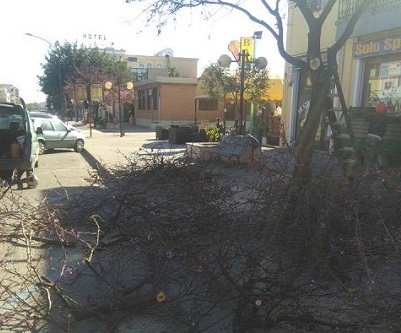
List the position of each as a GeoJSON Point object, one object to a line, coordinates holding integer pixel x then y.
{"type": "Point", "coordinates": [224, 120]}
{"type": "Point", "coordinates": [62, 109]}
{"type": "Point", "coordinates": [244, 62]}
{"type": "Point", "coordinates": [129, 85]}
{"type": "Point", "coordinates": [256, 35]}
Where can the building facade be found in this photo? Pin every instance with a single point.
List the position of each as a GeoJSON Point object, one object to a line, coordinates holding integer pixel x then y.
{"type": "Point", "coordinates": [369, 63]}
{"type": "Point", "coordinates": [165, 90]}
{"type": "Point", "coordinates": [9, 94]}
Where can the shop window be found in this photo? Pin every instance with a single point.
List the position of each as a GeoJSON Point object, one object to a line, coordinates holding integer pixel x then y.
{"type": "Point", "coordinates": [382, 82]}
{"type": "Point", "coordinates": [208, 104]}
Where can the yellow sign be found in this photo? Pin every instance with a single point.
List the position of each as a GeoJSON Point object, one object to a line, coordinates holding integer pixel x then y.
{"type": "Point", "coordinates": [96, 92]}
{"type": "Point", "coordinates": [247, 45]}
{"type": "Point", "coordinates": [80, 93]}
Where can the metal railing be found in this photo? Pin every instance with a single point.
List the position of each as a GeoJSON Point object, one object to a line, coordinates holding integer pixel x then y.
{"type": "Point", "coordinates": [347, 8]}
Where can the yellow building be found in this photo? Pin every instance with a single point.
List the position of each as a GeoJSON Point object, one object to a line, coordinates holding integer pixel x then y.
{"type": "Point", "coordinates": [369, 63]}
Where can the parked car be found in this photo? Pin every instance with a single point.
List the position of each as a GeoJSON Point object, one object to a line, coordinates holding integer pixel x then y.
{"type": "Point", "coordinates": [56, 134]}
{"type": "Point", "coordinates": [19, 146]}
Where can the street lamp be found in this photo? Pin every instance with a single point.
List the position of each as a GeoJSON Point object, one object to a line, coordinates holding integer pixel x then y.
{"type": "Point", "coordinates": [256, 35]}
{"type": "Point", "coordinates": [59, 70]}
{"type": "Point", "coordinates": [244, 62]}
{"type": "Point", "coordinates": [129, 85]}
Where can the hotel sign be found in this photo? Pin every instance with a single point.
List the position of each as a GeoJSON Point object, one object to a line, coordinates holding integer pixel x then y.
{"type": "Point", "coordinates": [377, 46]}
{"type": "Point", "coordinates": [94, 36]}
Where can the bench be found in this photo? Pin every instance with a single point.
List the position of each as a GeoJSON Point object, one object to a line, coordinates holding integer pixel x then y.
{"type": "Point", "coordinates": [391, 139]}
{"type": "Point", "coordinates": [242, 148]}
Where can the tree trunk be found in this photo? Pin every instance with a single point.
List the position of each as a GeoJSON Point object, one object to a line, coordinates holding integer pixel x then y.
{"type": "Point", "coordinates": [318, 105]}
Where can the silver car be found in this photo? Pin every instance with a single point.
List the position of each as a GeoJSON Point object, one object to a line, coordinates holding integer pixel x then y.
{"type": "Point", "coordinates": [57, 134]}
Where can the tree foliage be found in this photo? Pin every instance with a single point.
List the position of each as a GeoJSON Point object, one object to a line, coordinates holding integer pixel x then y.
{"type": "Point", "coordinates": [174, 72]}
{"type": "Point", "coordinates": [269, 14]}
{"type": "Point", "coordinates": [79, 65]}
{"type": "Point", "coordinates": [223, 84]}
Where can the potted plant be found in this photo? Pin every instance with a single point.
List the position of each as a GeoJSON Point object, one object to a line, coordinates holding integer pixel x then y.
{"type": "Point", "coordinates": [213, 134]}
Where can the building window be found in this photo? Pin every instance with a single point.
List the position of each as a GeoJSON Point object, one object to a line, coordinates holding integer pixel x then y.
{"type": "Point", "coordinates": [149, 65]}
{"type": "Point", "coordinates": [149, 101]}
{"type": "Point", "coordinates": [208, 104]}
{"type": "Point", "coordinates": [159, 66]}
{"type": "Point", "coordinates": [155, 98]}
{"type": "Point", "coordinates": [382, 82]}
{"type": "Point", "coordinates": [139, 74]}
{"type": "Point", "coordinates": [141, 99]}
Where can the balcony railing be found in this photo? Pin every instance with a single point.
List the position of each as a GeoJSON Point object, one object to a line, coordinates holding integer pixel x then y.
{"type": "Point", "coordinates": [347, 8]}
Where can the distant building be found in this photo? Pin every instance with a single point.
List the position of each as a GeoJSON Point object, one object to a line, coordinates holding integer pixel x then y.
{"type": "Point", "coordinates": [9, 94]}
{"type": "Point", "coordinates": [164, 89]}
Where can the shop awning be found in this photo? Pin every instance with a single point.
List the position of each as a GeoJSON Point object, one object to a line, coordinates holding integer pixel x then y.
{"type": "Point", "coordinates": [275, 90]}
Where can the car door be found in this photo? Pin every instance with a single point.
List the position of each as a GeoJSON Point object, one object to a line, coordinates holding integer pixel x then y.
{"type": "Point", "coordinates": [66, 139]}
{"type": "Point", "coordinates": [49, 134]}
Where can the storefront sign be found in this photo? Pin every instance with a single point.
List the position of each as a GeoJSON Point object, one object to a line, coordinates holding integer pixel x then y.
{"type": "Point", "coordinates": [375, 47]}
{"type": "Point", "coordinates": [247, 46]}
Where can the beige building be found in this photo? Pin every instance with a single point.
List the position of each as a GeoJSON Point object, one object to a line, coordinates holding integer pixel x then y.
{"type": "Point", "coordinates": [165, 90]}
{"type": "Point", "coordinates": [369, 63]}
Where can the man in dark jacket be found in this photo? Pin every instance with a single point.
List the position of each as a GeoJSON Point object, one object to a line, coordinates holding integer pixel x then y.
{"type": "Point", "coordinates": [376, 131]}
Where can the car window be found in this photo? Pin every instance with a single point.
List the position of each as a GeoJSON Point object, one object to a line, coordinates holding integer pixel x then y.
{"type": "Point", "coordinates": [59, 126]}
{"type": "Point", "coordinates": [10, 118]}
{"type": "Point", "coordinates": [46, 125]}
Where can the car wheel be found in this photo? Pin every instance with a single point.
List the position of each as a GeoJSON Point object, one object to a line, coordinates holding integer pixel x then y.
{"type": "Point", "coordinates": [42, 147]}
{"type": "Point", "coordinates": [79, 146]}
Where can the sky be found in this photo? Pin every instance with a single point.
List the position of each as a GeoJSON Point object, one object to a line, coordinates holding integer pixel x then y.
{"type": "Point", "coordinates": [121, 26]}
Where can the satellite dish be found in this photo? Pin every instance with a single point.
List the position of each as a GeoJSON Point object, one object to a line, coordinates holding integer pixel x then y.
{"type": "Point", "coordinates": [224, 60]}
{"type": "Point", "coordinates": [261, 63]}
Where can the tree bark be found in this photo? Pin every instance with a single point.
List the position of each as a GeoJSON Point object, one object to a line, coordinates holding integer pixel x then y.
{"type": "Point", "coordinates": [318, 105]}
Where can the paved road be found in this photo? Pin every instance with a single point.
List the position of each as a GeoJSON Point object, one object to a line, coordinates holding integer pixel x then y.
{"type": "Point", "coordinates": [63, 173]}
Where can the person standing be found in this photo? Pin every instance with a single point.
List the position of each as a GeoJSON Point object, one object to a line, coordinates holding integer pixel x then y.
{"type": "Point", "coordinates": [376, 131]}
{"type": "Point", "coordinates": [219, 126]}
{"type": "Point", "coordinates": [236, 127]}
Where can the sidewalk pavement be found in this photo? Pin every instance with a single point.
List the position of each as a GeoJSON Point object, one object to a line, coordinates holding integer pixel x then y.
{"type": "Point", "coordinates": [107, 147]}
